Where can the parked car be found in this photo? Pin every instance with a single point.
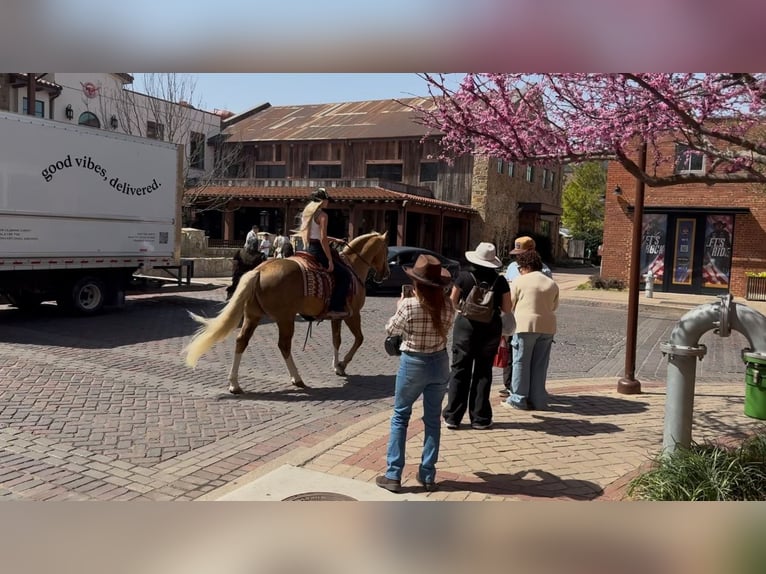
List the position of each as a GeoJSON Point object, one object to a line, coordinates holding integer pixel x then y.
{"type": "Point", "coordinates": [399, 256]}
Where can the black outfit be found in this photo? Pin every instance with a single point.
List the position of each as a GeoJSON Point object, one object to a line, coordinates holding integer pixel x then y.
{"type": "Point", "coordinates": [244, 261]}
{"type": "Point", "coordinates": [340, 272]}
{"type": "Point", "coordinates": [474, 346]}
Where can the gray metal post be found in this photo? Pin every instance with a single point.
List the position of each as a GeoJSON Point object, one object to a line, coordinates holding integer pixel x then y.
{"type": "Point", "coordinates": [683, 349]}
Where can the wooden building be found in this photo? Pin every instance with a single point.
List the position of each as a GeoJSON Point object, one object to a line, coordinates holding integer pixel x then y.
{"type": "Point", "coordinates": [381, 167]}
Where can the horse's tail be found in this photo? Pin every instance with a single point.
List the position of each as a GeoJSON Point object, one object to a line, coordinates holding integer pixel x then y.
{"type": "Point", "coordinates": [217, 328]}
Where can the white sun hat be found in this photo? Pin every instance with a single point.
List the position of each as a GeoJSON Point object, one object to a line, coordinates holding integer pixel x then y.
{"type": "Point", "coordinates": [484, 255]}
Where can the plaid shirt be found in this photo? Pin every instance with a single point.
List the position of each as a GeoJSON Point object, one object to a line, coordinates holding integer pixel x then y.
{"type": "Point", "coordinates": [414, 323]}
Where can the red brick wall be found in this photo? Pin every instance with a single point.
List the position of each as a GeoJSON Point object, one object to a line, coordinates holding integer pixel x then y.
{"type": "Point", "coordinates": [749, 248]}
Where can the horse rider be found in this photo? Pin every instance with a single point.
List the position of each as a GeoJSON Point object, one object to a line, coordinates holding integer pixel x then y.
{"type": "Point", "coordinates": [313, 231]}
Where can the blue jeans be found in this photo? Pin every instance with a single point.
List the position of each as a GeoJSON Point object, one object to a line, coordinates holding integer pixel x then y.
{"type": "Point", "coordinates": [426, 374]}
{"type": "Point", "coordinates": [531, 354]}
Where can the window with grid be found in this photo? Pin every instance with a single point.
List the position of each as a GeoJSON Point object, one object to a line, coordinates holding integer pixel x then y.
{"type": "Point", "coordinates": [500, 166]}
{"type": "Point", "coordinates": [39, 107]}
{"type": "Point", "coordinates": [89, 119]}
{"type": "Point", "coordinates": [389, 171]}
{"type": "Point", "coordinates": [197, 150]}
{"type": "Point", "coordinates": [511, 169]}
{"type": "Point", "coordinates": [325, 171]}
{"type": "Point", "coordinates": [530, 173]}
{"type": "Point", "coordinates": [270, 171]}
{"type": "Point", "coordinates": [429, 171]}
{"type": "Point", "coordinates": [689, 160]}
{"type": "Point", "coordinates": [155, 130]}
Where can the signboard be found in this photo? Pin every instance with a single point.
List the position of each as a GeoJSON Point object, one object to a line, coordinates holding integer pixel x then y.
{"type": "Point", "coordinates": [653, 236]}
{"type": "Point", "coordinates": [683, 262]}
{"type": "Point", "coordinates": [716, 265]}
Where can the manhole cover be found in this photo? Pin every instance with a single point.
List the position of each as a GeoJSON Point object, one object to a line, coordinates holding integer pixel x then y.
{"type": "Point", "coordinates": [318, 496]}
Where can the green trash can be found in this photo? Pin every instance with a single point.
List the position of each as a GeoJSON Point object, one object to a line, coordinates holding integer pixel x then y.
{"type": "Point", "coordinates": [755, 386]}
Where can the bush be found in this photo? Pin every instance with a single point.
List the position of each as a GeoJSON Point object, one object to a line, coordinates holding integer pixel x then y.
{"type": "Point", "coordinates": [706, 472]}
{"type": "Point", "coordinates": [755, 274]}
{"type": "Point", "coordinates": [598, 282]}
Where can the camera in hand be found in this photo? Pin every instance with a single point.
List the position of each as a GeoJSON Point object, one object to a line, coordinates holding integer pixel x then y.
{"type": "Point", "coordinates": [407, 291]}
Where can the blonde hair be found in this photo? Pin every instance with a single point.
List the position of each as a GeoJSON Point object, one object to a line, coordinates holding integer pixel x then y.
{"type": "Point", "coordinates": [308, 214]}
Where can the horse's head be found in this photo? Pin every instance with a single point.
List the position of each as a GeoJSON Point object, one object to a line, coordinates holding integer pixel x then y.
{"type": "Point", "coordinates": [371, 250]}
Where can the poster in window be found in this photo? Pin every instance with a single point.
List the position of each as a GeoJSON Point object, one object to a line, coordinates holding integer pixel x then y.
{"type": "Point", "coordinates": [653, 235]}
{"type": "Point", "coordinates": [716, 266]}
{"type": "Point", "coordinates": [683, 262]}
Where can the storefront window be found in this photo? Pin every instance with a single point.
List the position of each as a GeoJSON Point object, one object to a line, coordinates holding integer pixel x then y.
{"type": "Point", "coordinates": [716, 265]}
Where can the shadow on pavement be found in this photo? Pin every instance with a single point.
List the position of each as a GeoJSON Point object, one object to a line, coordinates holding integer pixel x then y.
{"type": "Point", "coordinates": [533, 482]}
{"type": "Point", "coordinates": [356, 388]}
{"type": "Point", "coordinates": [594, 405]}
{"type": "Point", "coordinates": [560, 427]}
{"type": "Point", "coordinates": [141, 320]}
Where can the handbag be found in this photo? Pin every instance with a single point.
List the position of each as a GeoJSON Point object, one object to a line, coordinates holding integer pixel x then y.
{"type": "Point", "coordinates": [392, 344]}
{"type": "Point", "coordinates": [501, 356]}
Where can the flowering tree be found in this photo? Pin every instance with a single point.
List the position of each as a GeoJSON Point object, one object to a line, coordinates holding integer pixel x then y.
{"type": "Point", "coordinates": [544, 118]}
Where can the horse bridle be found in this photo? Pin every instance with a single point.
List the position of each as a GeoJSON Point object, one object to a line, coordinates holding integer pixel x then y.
{"type": "Point", "coordinates": [347, 244]}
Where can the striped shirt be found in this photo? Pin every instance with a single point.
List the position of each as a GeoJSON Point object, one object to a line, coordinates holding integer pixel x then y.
{"type": "Point", "coordinates": [414, 323]}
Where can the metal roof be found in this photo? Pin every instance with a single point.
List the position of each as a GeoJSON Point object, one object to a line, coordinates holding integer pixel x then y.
{"type": "Point", "coordinates": [341, 121]}
{"type": "Point", "coordinates": [338, 194]}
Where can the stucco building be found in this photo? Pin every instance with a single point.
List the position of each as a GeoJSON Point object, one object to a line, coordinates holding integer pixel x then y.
{"type": "Point", "coordinates": [105, 101]}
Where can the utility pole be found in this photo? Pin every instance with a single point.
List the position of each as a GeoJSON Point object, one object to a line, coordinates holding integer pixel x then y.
{"type": "Point", "coordinates": [628, 385]}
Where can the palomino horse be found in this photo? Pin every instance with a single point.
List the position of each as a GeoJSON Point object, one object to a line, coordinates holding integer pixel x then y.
{"type": "Point", "coordinates": [275, 288]}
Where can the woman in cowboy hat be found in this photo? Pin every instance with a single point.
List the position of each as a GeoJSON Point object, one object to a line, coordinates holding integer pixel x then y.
{"type": "Point", "coordinates": [313, 232]}
{"type": "Point", "coordinates": [423, 320]}
{"type": "Point", "coordinates": [474, 344]}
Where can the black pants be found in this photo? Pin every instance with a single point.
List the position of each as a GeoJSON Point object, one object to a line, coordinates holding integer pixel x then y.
{"type": "Point", "coordinates": [340, 272]}
{"type": "Point", "coordinates": [473, 350]}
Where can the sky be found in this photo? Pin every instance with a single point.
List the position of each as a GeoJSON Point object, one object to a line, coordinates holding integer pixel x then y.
{"type": "Point", "coordinates": [240, 92]}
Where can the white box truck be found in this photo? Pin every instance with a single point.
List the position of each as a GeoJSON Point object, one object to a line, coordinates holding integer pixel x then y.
{"type": "Point", "coordinates": [81, 209]}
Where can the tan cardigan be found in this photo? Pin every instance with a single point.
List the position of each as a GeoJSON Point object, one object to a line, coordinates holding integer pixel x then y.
{"type": "Point", "coordinates": [535, 299]}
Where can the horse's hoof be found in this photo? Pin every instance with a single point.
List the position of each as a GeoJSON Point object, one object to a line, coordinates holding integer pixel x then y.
{"type": "Point", "coordinates": [235, 390]}
{"type": "Point", "coordinates": [340, 370]}
{"type": "Point", "coordinates": [299, 384]}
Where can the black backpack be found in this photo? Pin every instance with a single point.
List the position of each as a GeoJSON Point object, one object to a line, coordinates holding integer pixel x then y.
{"type": "Point", "coordinates": [479, 304]}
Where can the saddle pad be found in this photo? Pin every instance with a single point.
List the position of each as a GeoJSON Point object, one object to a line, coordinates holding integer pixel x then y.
{"type": "Point", "coordinates": [317, 282]}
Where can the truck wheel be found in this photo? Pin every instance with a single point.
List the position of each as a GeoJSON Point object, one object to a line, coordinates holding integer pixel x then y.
{"type": "Point", "coordinates": [24, 301]}
{"type": "Point", "coordinates": [87, 296]}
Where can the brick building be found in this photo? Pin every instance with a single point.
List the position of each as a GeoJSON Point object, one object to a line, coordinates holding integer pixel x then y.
{"type": "Point", "coordinates": [696, 238]}
{"type": "Point", "coordinates": [382, 174]}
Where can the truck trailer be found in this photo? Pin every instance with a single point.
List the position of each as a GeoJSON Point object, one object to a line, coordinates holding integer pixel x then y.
{"type": "Point", "coordinates": [81, 210]}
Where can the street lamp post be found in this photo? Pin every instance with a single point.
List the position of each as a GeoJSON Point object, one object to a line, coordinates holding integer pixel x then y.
{"type": "Point", "coordinates": [628, 385]}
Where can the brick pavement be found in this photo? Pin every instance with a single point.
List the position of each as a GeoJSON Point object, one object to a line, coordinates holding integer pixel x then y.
{"type": "Point", "coordinates": [585, 447]}
{"type": "Point", "coordinates": [103, 408]}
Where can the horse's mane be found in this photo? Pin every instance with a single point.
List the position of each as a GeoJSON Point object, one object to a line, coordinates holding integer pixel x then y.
{"type": "Point", "coordinates": [361, 240]}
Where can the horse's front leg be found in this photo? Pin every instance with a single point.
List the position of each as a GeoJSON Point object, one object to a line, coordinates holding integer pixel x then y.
{"type": "Point", "coordinates": [339, 370]}
{"type": "Point", "coordinates": [245, 333]}
{"type": "Point", "coordinates": [286, 330]}
{"type": "Point", "coordinates": [354, 324]}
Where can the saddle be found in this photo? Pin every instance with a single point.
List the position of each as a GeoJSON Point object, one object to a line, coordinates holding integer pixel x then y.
{"type": "Point", "coordinates": [318, 282]}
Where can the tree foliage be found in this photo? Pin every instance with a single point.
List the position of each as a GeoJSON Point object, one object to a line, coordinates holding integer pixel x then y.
{"type": "Point", "coordinates": [568, 118]}
{"type": "Point", "coordinates": [583, 200]}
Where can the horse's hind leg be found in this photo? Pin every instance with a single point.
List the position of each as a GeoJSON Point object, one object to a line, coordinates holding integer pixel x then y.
{"type": "Point", "coordinates": [286, 330]}
{"type": "Point", "coordinates": [248, 327]}
{"type": "Point", "coordinates": [336, 324]}
{"type": "Point", "coordinates": [354, 323]}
